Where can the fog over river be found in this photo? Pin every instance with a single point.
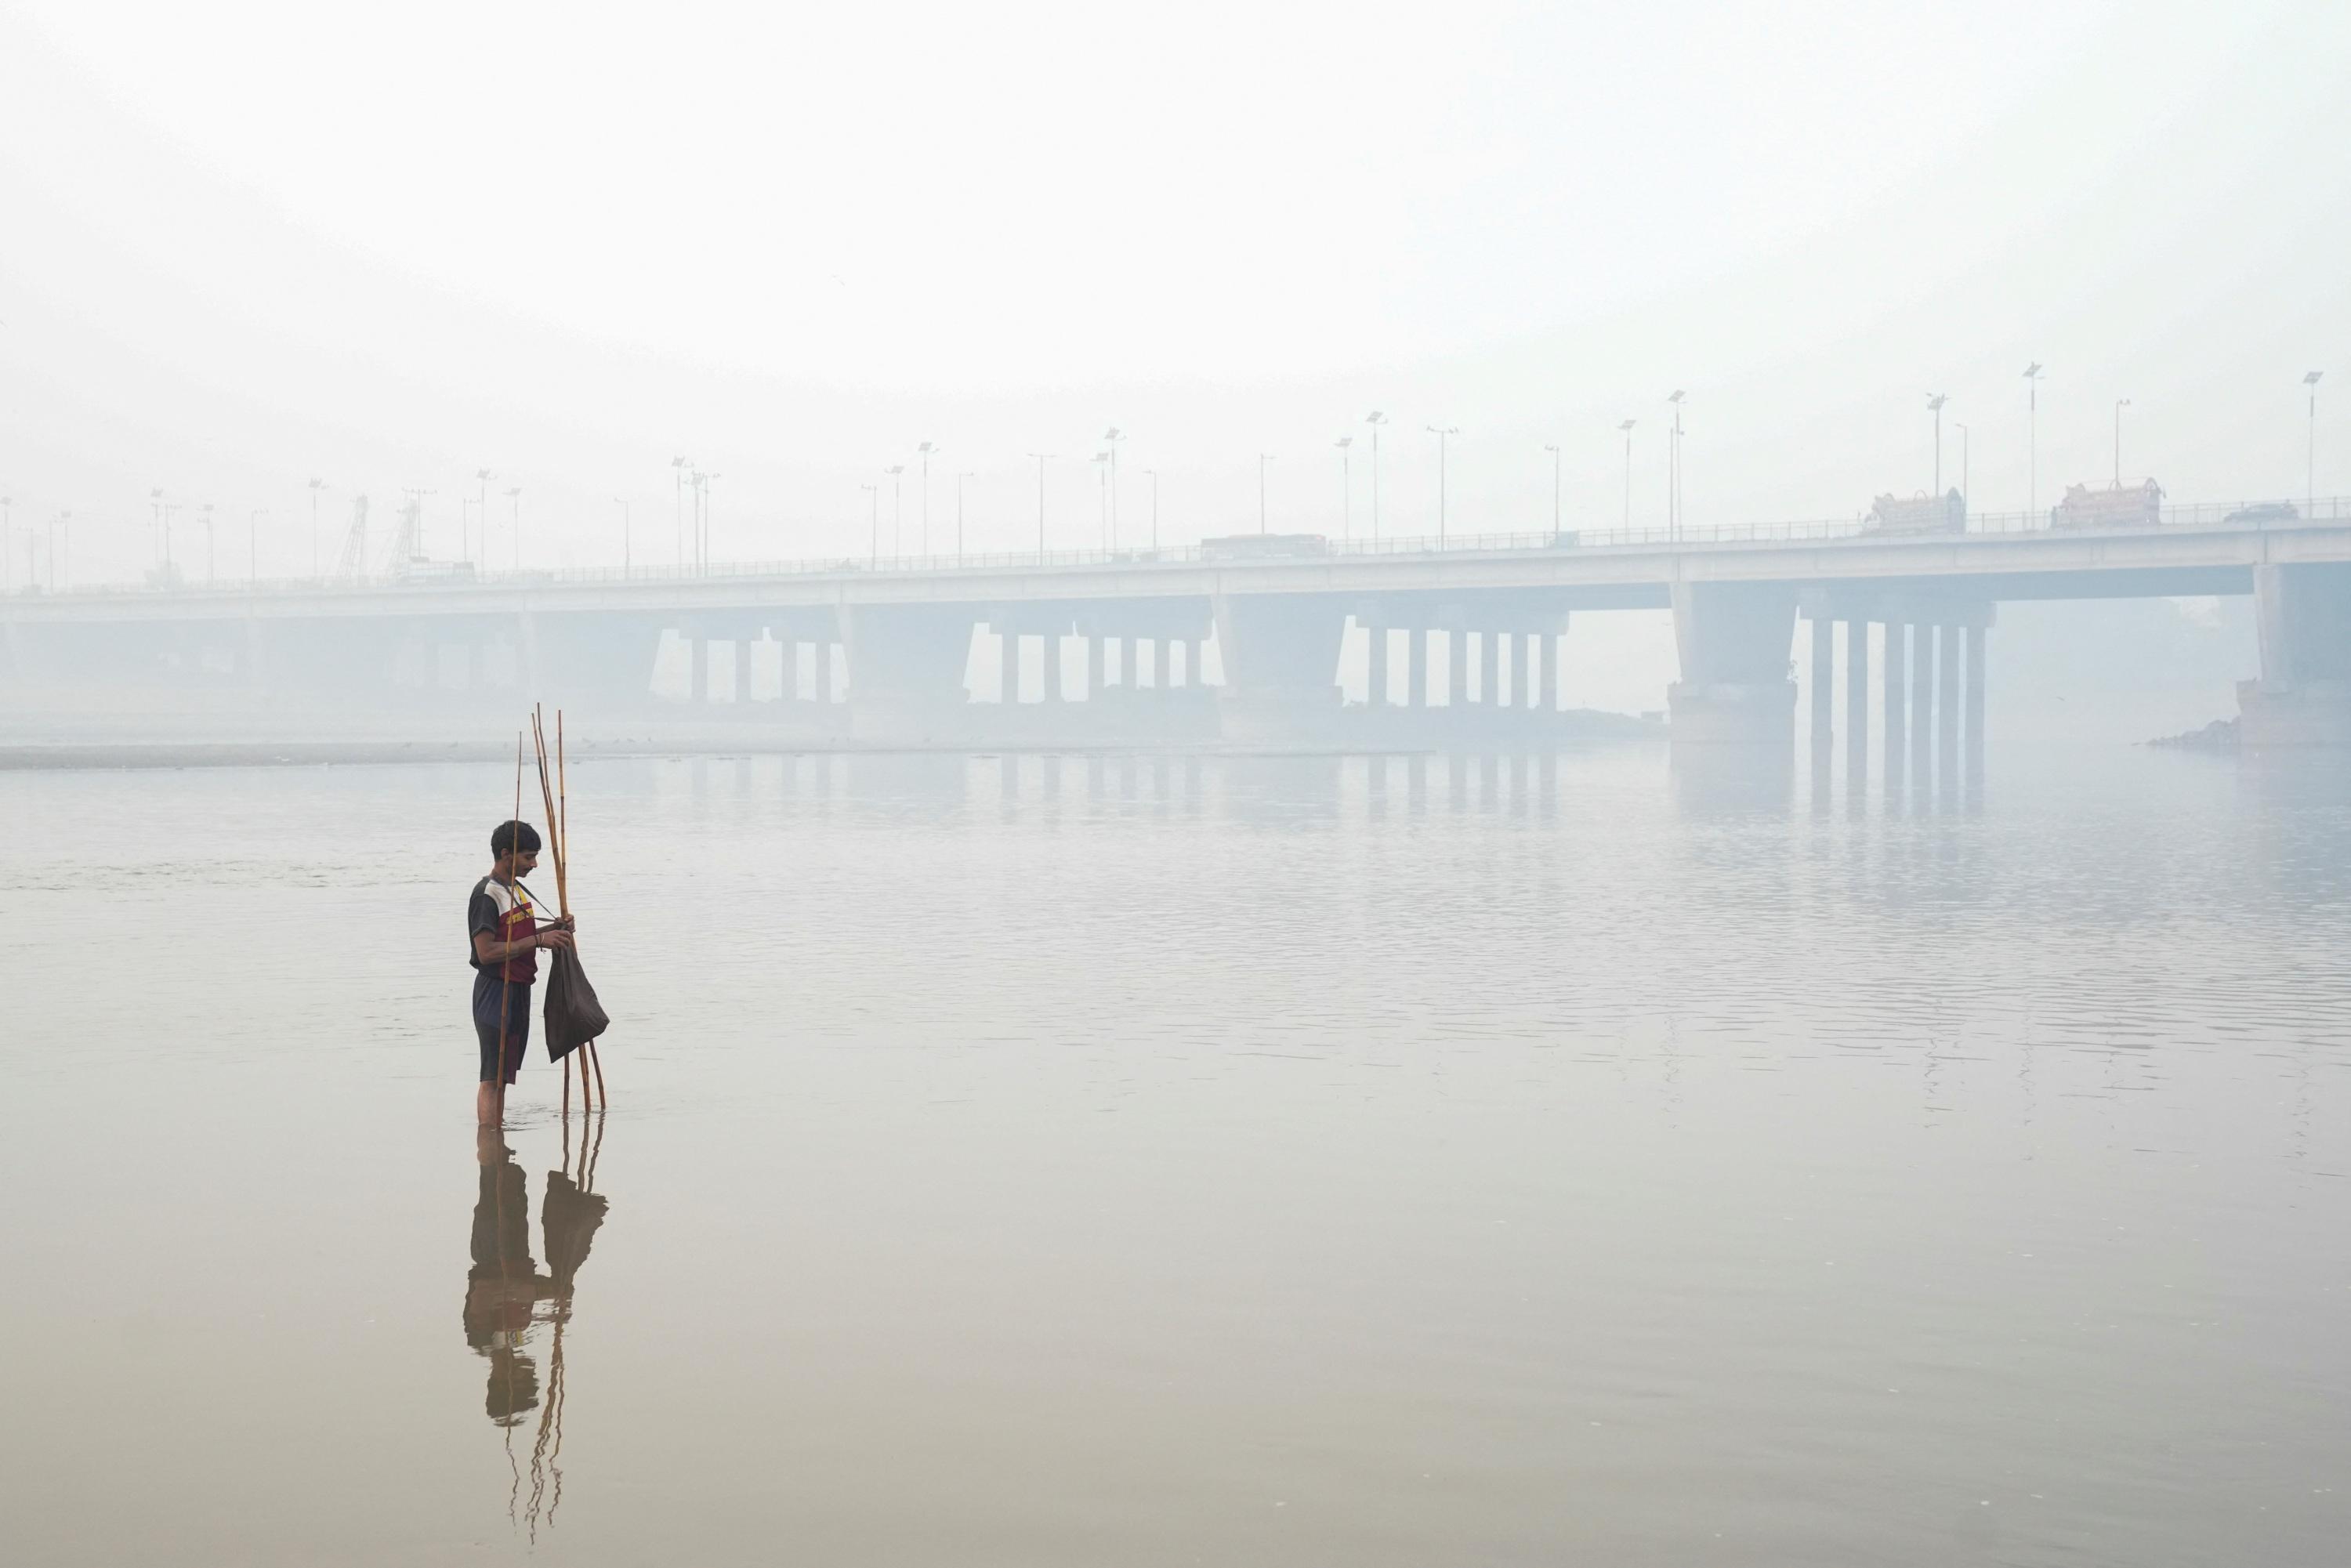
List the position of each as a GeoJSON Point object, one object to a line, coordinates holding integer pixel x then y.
{"type": "Point", "coordinates": [1070, 1160]}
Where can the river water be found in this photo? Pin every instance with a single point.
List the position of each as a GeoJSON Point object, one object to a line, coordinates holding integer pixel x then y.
{"type": "Point", "coordinates": [1301, 1161]}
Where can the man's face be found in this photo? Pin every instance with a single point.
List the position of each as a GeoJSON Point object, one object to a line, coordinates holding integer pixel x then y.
{"type": "Point", "coordinates": [525, 860]}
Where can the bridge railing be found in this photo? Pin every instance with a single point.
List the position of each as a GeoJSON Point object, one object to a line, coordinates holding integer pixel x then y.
{"type": "Point", "coordinates": [2185, 515]}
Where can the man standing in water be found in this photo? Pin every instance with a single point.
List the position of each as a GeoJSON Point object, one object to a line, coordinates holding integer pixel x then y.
{"type": "Point", "coordinates": [504, 935]}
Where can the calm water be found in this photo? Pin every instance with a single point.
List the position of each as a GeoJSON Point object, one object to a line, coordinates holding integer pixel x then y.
{"type": "Point", "coordinates": [1281, 1161]}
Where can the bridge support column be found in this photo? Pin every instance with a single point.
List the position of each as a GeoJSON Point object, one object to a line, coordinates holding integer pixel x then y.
{"type": "Point", "coordinates": [1897, 696]}
{"type": "Point", "coordinates": [1947, 703]}
{"type": "Point", "coordinates": [1377, 694]}
{"type": "Point", "coordinates": [1281, 656]}
{"type": "Point", "coordinates": [1922, 701]}
{"type": "Point", "coordinates": [1856, 702]}
{"type": "Point", "coordinates": [1416, 669]}
{"type": "Point", "coordinates": [1093, 666]}
{"type": "Point", "coordinates": [1733, 639]}
{"type": "Point", "coordinates": [1007, 665]}
{"type": "Point", "coordinates": [1489, 669]}
{"type": "Point", "coordinates": [1456, 669]}
{"type": "Point", "coordinates": [1975, 738]}
{"type": "Point", "coordinates": [1147, 661]}
{"type": "Point", "coordinates": [1823, 684]}
{"type": "Point", "coordinates": [906, 671]}
{"type": "Point", "coordinates": [2303, 614]}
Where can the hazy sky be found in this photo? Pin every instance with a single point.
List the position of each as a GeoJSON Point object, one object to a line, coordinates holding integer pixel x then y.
{"type": "Point", "coordinates": [246, 244]}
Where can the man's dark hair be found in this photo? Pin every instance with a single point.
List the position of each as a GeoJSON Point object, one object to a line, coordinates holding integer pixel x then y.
{"type": "Point", "coordinates": [510, 836]}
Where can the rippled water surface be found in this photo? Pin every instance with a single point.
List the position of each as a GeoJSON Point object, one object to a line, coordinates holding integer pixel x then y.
{"type": "Point", "coordinates": [1231, 1161]}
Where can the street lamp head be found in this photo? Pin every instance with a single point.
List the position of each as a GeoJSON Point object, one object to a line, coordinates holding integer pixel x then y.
{"type": "Point", "coordinates": [2311, 379]}
{"type": "Point", "coordinates": [2122, 402]}
{"type": "Point", "coordinates": [893, 471]}
{"type": "Point", "coordinates": [1935, 402]}
{"type": "Point", "coordinates": [1376, 417]}
{"type": "Point", "coordinates": [1343, 441]}
{"type": "Point", "coordinates": [1628, 425]}
{"type": "Point", "coordinates": [315, 485]}
{"type": "Point", "coordinates": [1548, 446]}
{"type": "Point", "coordinates": [2033, 370]}
{"type": "Point", "coordinates": [926, 448]}
{"type": "Point", "coordinates": [1111, 434]}
{"type": "Point", "coordinates": [678, 462]}
{"type": "Point", "coordinates": [513, 493]}
{"type": "Point", "coordinates": [484, 474]}
{"type": "Point", "coordinates": [158, 495]}
{"type": "Point", "coordinates": [1676, 396]}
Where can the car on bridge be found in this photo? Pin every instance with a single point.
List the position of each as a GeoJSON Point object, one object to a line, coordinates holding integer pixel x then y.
{"type": "Point", "coordinates": [2265, 512]}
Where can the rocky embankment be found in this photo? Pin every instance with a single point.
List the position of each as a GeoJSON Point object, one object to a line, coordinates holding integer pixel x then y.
{"type": "Point", "coordinates": [2220, 735]}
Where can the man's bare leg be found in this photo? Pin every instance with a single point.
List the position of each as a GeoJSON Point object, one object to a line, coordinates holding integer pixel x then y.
{"type": "Point", "coordinates": [490, 1106]}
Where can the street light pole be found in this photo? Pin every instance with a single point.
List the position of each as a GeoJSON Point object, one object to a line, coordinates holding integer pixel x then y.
{"type": "Point", "coordinates": [2120, 403]}
{"type": "Point", "coordinates": [1262, 459]}
{"type": "Point", "coordinates": [2310, 461]}
{"type": "Point", "coordinates": [1444, 433]}
{"type": "Point", "coordinates": [1553, 447]}
{"type": "Point", "coordinates": [1674, 470]}
{"type": "Point", "coordinates": [897, 510]}
{"type": "Point", "coordinates": [1102, 498]}
{"type": "Point", "coordinates": [482, 478]}
{"type": "Point", "coordinates": [1111, 437]}
{"type": "Point", "coordinates": [1375, 418]}
{"type": "Point", "coordinates": [959, 484]}
{"type": "Point", "coordinates": [925, 450]}
{"type": "Point", "coordinates": [1042, 458]}
{"type": "Point", "coordinates": [1935, 402]}
{"type": "Point", "coordinates": [2032, 373]}
{"type": "Point", "coordinates": [1965, 442]}
{"type": "Point", "coordinates": [1627, 428]}
{"type": "Point", "coordinates": [1346, 487]}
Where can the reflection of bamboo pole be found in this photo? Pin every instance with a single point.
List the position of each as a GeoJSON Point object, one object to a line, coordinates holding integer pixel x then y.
{"type": "Point", "coordinates": [506, 976]}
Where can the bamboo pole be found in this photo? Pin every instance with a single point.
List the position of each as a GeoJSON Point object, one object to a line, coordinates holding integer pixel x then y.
{"type": "Point", "coordinates": [563, 806]}
{"type": "Point", "coordinates": [506, 979]}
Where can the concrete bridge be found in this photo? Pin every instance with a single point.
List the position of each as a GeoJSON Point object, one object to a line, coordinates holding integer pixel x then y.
{"type": "Point", "coordinates": [1209, 642]}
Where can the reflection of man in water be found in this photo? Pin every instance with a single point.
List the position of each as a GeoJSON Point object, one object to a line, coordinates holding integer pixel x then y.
{"type": "Point", "coordinates": [503, 1287]}
{"type": "Point", "coordinates": [504, 1282]}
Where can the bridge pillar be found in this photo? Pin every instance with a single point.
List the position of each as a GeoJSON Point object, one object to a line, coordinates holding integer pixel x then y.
{"type": "Point", "coordinates": [2302, 615]}
{"type": "Point", "coordinates": [1824, 683]}
{"type": "Point", "coordinates": [1896, 685]}
{"type": "Point", "coordinates": [1922, 701]}
{"type": "Point", "coordinates": [1281, 656]}
{"type": "Point", "coordinates": [1093, 666]}
{"type": "Point", "coordinates": [1733, 639]}
{"type": "Point", "coordinates": [1146, 661]}
{"type": "Point", "coordinates": [1377, 694]}
{"type": "Point", "coordinates": [1975, 737]}
{"type": "Point", "coordinates": [1457, 668]}
{"type": "Point", "coordinates": [1415, 668]}
{"type": "Point", "coordinates": [905, 670]}
{"type": "Point", "coordinates": [1856, 702]}
{"type": "Point", "coordinates": [1947, 703]}
{"type": "Point", "coordinates": [1007, 664]}
{"type": "Point", "coordinates": [1489, 668]}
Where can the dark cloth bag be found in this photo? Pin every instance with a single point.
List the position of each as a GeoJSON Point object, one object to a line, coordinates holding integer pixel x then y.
{"type": "Point", "coordinates": [573, 1014]}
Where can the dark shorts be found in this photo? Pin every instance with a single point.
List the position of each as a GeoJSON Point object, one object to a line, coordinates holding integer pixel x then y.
{"type": "Point", "coordinates": [490, 995]}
